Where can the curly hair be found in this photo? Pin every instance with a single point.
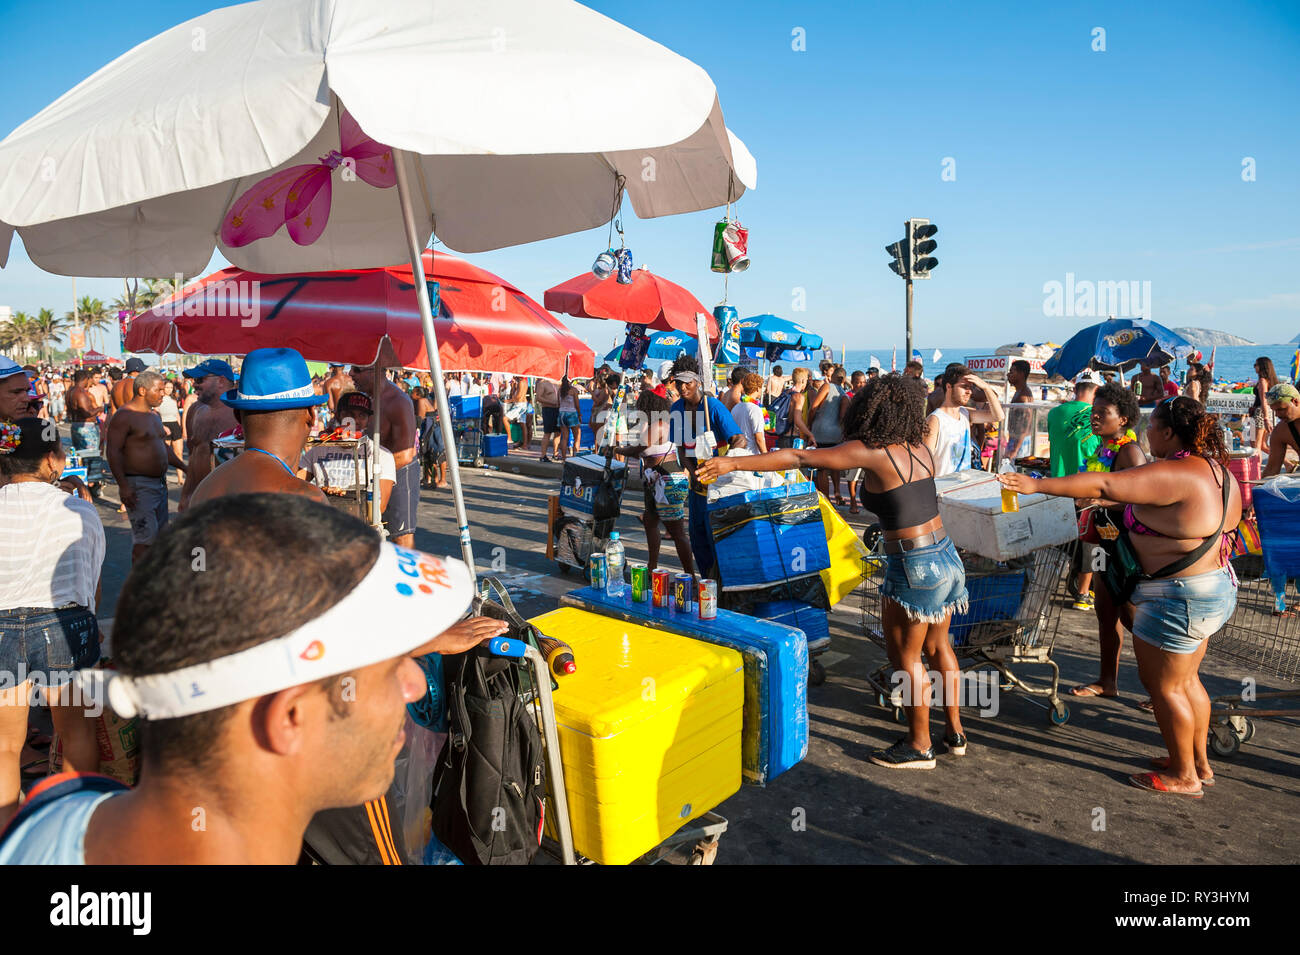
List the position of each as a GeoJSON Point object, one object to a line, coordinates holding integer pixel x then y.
{"type": "Point", "coordinates": [887, 410]}
{"type": "Point", "coordinates": [1123, 401]}
{"type": "Point", "coordinates": [1198, 430]}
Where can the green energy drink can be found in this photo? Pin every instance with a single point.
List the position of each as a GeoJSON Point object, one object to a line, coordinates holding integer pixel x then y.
{"type": "Point", "coordinates": [640, 583]}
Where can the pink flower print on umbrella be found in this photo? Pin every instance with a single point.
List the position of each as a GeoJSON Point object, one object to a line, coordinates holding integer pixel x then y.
{"type": "Point", "coordinates": [299, 196]}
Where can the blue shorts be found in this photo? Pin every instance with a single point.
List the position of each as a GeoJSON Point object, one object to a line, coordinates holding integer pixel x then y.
{"type": "Point", "coordinates": [1178, 613]}
{"type": "Point", "coordinates": [34, 640]}
{"type": "Point", "coordinates": [929, 583]}
{"type": "Point", "coordinates": [570, 419]}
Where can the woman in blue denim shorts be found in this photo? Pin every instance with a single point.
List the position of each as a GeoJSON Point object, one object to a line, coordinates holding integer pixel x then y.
{"type": "Point", "coordinates": [1177, 510]}
{"type": "Point", "coordinates": [51, 551]}
{"type": "Point", "coordinates": [924, 578]}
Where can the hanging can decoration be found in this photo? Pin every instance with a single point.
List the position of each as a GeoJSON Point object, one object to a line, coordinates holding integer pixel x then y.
{"type": "Point", "coordinates": [730, 247]}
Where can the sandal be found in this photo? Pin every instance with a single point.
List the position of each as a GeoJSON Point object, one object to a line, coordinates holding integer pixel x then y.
{"type": "Point", "coordinates": [1091, 689]}
{"type": "Point", "coordinates": [1153, 783]}
{"type": "Point", "coordinates": [854, 509]}
{"type": "Point", "coordinates": [1147, 705]}
{"type": "Point", "coordinates": [1162, 762]}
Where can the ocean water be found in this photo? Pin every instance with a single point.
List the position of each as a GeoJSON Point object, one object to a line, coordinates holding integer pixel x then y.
{"type": "Point", "coordinates": [1232, 364]}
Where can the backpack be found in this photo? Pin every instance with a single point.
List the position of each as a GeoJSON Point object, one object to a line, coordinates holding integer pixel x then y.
{"type": "Point", "coordinates": [780, 413]}
{"type": "Point", "coordinates": [489, 786]}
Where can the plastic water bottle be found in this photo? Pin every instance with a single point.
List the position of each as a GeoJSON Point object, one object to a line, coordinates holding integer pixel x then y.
{"type": "Point", "coordinates": [1010, 498]}
{"type": "Point", "coordinates": [614, 566]}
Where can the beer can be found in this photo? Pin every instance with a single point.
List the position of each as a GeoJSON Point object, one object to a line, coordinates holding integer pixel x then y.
{"type": "Point", "coordinates": [682, 592]}
{"type": "Point", "coordinates": [624, 257]}
{"type": "Point", "coordinates": [797, 444]}
{"type": "Point", "coordinates": [708, 599]}
{"type": "Point", "coordinates": [597, 571]}
{"type": "Point", "coordinates": [660, 585]}
{"type": "Point", "coordinates": [640, 575]}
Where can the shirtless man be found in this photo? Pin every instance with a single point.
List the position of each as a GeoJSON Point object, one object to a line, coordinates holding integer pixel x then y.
{"type": "Point", "coordinates": [276, 406]}
{"type": "Point", "coordinates": [775, 386]}
{"type": "Point", "coordinates": [205, 419]}
{"type": "Point", "coordinates": [82, 413]}
{"type": "Point", "coordinates": [1284, 399]}
{"type": "Point", "coordinates": [397, 433]}
{"type": "Point", "coordinates": [1019, 422]}
{"type": "Point", "coordinates": [335, 384]}
{"type": "Point", "coordinates": [138, 456]}
{"type": "Point", "coordinates": [731, 397]}
{"type": "Point", "coordinates": [520, 410]}
{"type": "Point", "coordinates": [124, 389]}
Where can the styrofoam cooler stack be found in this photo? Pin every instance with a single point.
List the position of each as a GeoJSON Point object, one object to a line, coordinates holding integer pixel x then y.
{"type": "Point", "coordinates": [970, 504]}
{"type": "Point", "coordinates": [463, 408]}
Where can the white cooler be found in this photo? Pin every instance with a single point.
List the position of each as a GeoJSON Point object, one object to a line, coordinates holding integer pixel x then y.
{"type": "Point", "coordinates": [970, 503]}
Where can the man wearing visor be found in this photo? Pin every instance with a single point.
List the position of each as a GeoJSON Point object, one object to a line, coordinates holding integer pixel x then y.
{"type": "Point", "coordinates": [700, 425]}
{"type": "Point", "coordinates": [1284, 399]}
{"type": "Point", "coordinates": [258, 712]}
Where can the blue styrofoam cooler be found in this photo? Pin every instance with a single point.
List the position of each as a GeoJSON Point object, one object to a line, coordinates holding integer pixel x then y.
{"type": "Point", "coordinates": [496, 445]}
{"type": "Point", "coordinates": [812, 620]}
{"type": "Point", "coordinates": [775, 719]}
{"type": "Point", "coordinates": [768, 536]}
{"type": "Point", "coordinates": [462, 407]}
{"type": "Point", "coordinates": [992, 597]}
{"type": "Point", "coordinates": [582, 475]}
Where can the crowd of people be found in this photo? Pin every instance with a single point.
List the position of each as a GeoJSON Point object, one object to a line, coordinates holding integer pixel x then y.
{"type": "Point", "coordinates": [884, 436]}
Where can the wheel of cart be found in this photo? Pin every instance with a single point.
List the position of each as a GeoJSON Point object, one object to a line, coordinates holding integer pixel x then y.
{"type": "Point", "coordinates": [702, 835]}
{"type": "Point", "coordinates": [1011, 621]}
{"type": "Point", "coordinates": [1257, 636]}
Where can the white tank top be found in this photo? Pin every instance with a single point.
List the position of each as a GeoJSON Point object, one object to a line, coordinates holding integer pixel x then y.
{"type": "Point", "coordinates": [953, 452]}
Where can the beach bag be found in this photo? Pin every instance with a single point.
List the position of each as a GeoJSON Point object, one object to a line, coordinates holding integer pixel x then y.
{"type": "Point", "coordinates": [847, 555]}
{"type": "Point", "coordinates": [779, 413]}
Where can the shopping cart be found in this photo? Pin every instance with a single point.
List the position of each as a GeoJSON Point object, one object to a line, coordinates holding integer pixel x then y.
{"type": "Point", "coordinates": [701, 836]}
{"type": "Point", "coordinates": [1012, 620]}
{"type": "Point", "coordinates": [1262, 641]}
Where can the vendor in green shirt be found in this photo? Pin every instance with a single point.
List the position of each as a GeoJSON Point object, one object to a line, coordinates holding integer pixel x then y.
{"type": "Point", "coordinates": [1069, 428]}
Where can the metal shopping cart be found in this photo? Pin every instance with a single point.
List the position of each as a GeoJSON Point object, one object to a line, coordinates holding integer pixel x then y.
{"type": "Point", "coordinates": [1012, 620]}
{"type": "Point", "coordinates": [1266, 643]}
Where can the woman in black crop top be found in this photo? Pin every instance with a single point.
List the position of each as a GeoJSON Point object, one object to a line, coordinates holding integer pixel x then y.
{"type": "Point", "coordinates": [924, 577]}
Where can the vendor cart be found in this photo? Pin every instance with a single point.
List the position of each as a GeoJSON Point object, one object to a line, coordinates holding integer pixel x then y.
{"type": "Point", "coordinates": [700, 836]}
{"type": "Point", "coordinates": [590, 501]}
{"type": "Point", "coordinates": [1264, 641]}
{"type": "Point", "coordinates": [1012, 620]}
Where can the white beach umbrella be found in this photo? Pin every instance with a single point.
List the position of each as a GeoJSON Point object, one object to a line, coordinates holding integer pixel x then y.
{"type": "Point", "coordinates": [503, 122]}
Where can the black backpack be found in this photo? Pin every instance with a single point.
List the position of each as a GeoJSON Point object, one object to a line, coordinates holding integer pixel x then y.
{"type": "Point", "coordinates": [489, 786]}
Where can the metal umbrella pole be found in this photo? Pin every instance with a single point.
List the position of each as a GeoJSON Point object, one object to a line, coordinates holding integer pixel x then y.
{"type": "Point", "coordinates": [415, 248]}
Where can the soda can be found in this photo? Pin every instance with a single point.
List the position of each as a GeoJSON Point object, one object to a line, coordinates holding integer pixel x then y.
{"type": "Point", "coordinates": [640, 575]}
{"type": "Point", "coordinates": [660, 585]}
{"type": "Point", "coordinates": [682, 592]}
{"type": "Point", "coordinates": [624, 266]}
{"type": "Point", "coordinates": [797, 444]}
{"type": "Point", "coordinates": [597, 571]}
{"type": "Point", "coordinates": [708, 599]}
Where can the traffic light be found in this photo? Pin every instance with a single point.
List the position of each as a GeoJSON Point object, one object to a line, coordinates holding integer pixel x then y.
{"type": "Point", "coordinates": [899, 251]}
{"type": "Point", "coordinates": [920, 246]}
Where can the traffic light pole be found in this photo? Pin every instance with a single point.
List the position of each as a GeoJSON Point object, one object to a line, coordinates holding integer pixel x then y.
{"type": "Point", "coordinates": [909, 320]}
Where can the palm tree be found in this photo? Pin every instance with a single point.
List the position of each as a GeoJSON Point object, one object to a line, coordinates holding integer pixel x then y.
{"type": "Point", "coordinates": [19, 334]}
{"type": "Point", "coordinates": [49, 329]}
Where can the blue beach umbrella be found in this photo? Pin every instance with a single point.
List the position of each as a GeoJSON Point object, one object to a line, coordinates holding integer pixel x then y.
{"type": "Point", "coordinates": [776, 353]}
{"type": "Point", "coordinates": [1120, 343]}
{"type": "Point", "coordinates": [664, 346]}
{"type": "Point", "coordinates": [772, 330]}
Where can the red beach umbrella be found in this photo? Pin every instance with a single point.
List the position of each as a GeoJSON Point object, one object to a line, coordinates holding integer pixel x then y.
{"type": "Point", "coordinates": [649, 300]}
{"type": "Point", "coordinates": [483, 323]}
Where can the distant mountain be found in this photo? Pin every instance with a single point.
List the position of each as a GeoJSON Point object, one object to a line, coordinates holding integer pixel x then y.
{"type": "Point", "coordinates": [1208, 337]}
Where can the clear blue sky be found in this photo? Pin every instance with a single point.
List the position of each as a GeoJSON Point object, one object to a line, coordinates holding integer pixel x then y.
{"type": "Point", "coordinates": [1116, 165]}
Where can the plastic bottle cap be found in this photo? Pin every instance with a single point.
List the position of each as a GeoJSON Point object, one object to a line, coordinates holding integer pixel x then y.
{"type": "Point", "coordinates": [613, 535]}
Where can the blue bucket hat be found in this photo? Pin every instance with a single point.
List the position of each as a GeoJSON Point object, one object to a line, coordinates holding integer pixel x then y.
{"type": "Point", "coordinates": [213, 366]}
{"type": "Point", "coordinates": [273, 379]}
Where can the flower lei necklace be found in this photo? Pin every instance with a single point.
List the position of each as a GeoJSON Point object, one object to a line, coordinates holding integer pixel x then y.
{"type": "Point", "coordinates": [767, 416]}
{"type": "Point", "coordinates": [1103, 459]}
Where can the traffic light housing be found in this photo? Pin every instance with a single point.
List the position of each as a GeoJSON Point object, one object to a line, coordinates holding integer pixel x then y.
{"type": "Point", "coordinates": [899, 250]}
{"type": "Point", "coordinates": [920, 246]}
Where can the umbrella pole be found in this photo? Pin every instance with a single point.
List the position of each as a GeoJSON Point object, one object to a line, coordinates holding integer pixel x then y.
{"type": "Point", "coordinates": [415, 248]}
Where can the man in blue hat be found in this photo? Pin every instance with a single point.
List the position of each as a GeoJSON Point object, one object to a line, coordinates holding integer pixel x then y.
{"type": "Point", "coordinates": [205, 419]}
{"type": "Point", "coordinates": [13, 390]}
{"type": "Point", "coordinates": [276, 406]}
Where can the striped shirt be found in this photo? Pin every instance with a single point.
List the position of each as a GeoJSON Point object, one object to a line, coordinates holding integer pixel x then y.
{"type": "Point", "coordinates": [51, 547]}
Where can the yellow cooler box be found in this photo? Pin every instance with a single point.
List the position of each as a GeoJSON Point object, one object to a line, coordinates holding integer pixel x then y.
{"type": "Point", "coordinates": [649, 731]}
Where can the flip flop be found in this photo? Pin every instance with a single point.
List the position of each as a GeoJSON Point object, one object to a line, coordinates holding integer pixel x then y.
{"type": "Point", "coordinates": [1147, 705]}
{"type": "Point", "coordinates": [1162, 762]}
{"type": "Point", "coordinates": [1088, 690]}
{"type": "Point", "coordinates": [1153, 783]}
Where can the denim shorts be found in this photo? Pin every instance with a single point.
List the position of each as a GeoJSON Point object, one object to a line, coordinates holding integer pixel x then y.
{"type": "Point", "coordinates": [929, 582]}
{"type": "Point", "coordinates": [1178, 613]}
{"type": "Point", "coordinates": [35, 640]}
{"type": "Point", "coordinates": [570, 419]}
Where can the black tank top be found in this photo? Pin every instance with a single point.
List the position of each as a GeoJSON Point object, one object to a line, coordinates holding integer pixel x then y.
{"type": "Point", "coordinates": [910, 504]}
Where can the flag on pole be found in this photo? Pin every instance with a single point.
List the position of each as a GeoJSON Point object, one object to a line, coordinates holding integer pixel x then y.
{"type": "Point", "coordinates": [937, 355]}
{"type": "Point", "coordinates": [916, 356]}
{"type": "Point", "coordinates": [1295, 365]}
{"type": "Point", "coordinates": [893, 359]}
{"type": "Point", "coordinates": [1213, 351]}
{"type": "Point", "coordinates": [875, 362]}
